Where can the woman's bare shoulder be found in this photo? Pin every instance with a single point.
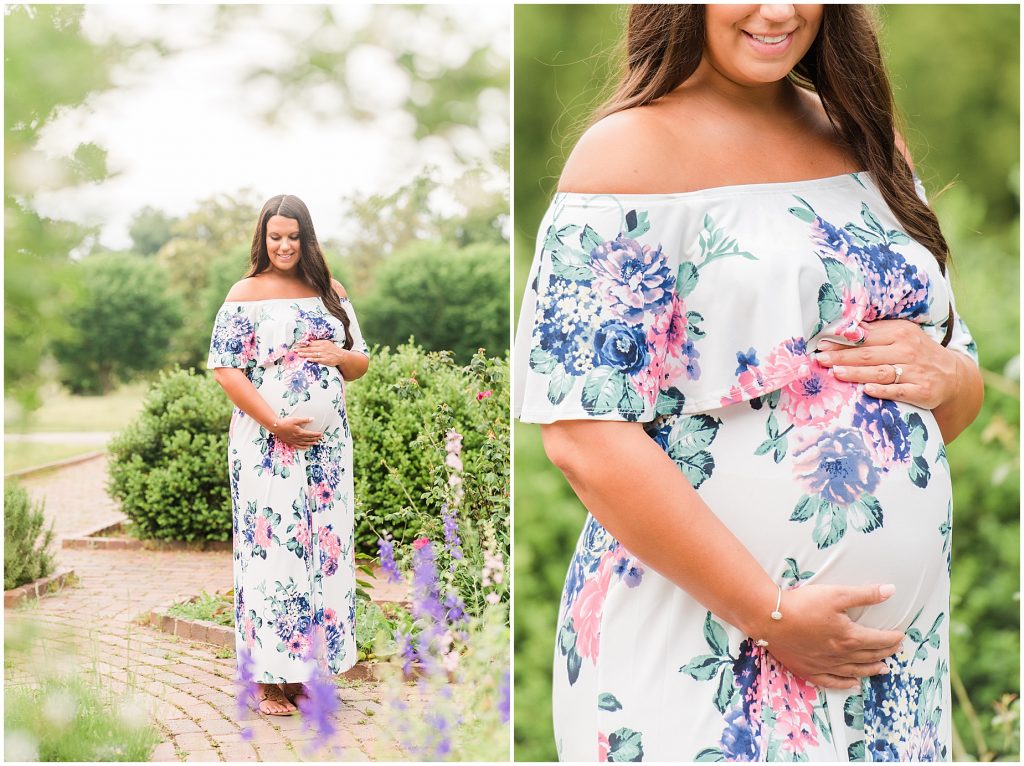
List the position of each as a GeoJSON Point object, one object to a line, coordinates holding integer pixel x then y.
{"type": "Point", "coordinates": [642, 150]}
{"type": "Point", "coordinates": [338, 288]}
{"type": "Point", "coordinates": [248, 289]}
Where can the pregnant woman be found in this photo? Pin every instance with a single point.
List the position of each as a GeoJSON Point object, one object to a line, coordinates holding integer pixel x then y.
{"type": "Point", "coordinates": [740, 335]}
{"type": "Point", "coordinates": [285, 343]}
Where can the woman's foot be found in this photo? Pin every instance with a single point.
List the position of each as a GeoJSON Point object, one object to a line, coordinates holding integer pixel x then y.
{"type": "Point", "coordinates": [272, 701]}
{"type": "Point", "coordinates": [294, 692]}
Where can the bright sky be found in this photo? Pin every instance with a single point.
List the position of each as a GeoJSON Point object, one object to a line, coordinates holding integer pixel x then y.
{"type": "Point", "coordinates": [182, 127]}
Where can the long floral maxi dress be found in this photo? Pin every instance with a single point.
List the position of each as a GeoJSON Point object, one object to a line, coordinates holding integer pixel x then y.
{"type": "Point", "coordinates": [698, 314]}
{"type": "Point", "coordinates": [294, 559]}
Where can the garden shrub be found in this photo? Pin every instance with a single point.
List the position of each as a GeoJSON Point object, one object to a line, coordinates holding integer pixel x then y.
{"type": "Point", "coordinates": [399, 412]}
{"type": "Point", "coordinates": [26, 557]}
{"type": "Point", "coordinates": [169, 467]}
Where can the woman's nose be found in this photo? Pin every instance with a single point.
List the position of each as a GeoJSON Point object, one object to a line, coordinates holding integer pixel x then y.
{"type": "Point", "coordinates": [777, 12]}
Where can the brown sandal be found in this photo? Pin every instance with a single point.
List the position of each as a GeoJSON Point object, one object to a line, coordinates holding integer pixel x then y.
{"type": "Point", "coordinates": [273, 693]}
{"type": "Point", "coordinates": [295, 692]}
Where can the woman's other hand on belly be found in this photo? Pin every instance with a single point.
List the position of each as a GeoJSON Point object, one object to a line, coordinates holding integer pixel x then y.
{"type": "Point", "coordinates": [817, 640]}
{"type": "Point", "coordinates": [290, 430]}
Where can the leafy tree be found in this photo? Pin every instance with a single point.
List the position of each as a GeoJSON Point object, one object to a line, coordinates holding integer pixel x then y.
{"type": "Point", "coordinates": [119, 326]}
{"type": "Point", "coordinates": [446, 298]}
{"type": "Point", "coordinates": [48, 65]}
{"type": "Point", "coordinates": [219, 227]}
{"type": "Point", "coordinates": [150, 230]}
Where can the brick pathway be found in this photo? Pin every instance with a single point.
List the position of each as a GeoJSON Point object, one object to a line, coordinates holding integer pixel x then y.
{"type": "Point", "coordinates": [187, 687]}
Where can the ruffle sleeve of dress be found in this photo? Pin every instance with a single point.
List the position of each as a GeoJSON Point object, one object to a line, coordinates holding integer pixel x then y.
{"type": "Point", "coordinates": [645, 305]}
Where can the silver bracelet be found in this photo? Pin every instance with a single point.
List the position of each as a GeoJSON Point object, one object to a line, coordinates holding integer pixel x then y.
{"type": "Point", "coordinates": [775, 615]}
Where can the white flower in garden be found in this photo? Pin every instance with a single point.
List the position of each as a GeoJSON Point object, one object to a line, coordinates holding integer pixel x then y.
{"type": "Point", "coordinates": [20, 746]}
{"type": "Point", "coordinates": [59, 708]}
{"type": "Point", "coordinates": [133, 712]}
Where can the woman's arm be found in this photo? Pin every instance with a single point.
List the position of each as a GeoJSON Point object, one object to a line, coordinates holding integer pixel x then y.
{"type": "Point", "coordinates": [245, 396]}
{"type": "Point", "coordinates": [647, 504]}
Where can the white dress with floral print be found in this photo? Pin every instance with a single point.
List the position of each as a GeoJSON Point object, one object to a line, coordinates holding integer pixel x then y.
{"type": "Point", "coordinates": [294, 565]}
{"type": "Point", "coordinates": [698, 314]}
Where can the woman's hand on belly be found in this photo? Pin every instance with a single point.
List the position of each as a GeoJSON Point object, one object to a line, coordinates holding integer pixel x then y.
{"type": "Point", "coordinates": [290, 430]}
{"type": "Point", "coordinates": [817, 640]}
{"type": "Point", "coordinates": [933, 377]}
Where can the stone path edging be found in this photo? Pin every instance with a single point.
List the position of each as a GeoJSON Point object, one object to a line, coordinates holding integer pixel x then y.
{"type": "Point", "coordinates": [74, 460]}
{"type": "Point", "coordinates": [94, 539]}
{"type": "Point", "coordinates": [38, 588]}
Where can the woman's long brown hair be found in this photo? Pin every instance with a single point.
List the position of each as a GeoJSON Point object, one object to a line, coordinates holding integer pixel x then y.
{"type": "Point", "coordinates": [664, 46]}
{"type": "Point", "coordinates": [311, 267]}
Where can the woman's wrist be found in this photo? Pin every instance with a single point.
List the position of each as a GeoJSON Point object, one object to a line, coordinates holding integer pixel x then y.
{"type": "Point", "coordinates": [755, 615]}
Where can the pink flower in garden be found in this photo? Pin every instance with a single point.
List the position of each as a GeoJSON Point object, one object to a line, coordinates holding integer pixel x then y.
{"type": "Point", "coordinates": [602, 747]}
{"type": "Point", "coordinates": [420, 542]}
{"type": "Point", "coordinates": [264, 532]}
{"type": "Point", "coordinates": [588, 608]}
{"type": "Point", "coordinates": [484, 395]}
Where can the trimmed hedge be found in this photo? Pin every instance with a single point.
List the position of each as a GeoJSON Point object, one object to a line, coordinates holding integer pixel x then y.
{"type": "Point", "coordinates": [169, 467]}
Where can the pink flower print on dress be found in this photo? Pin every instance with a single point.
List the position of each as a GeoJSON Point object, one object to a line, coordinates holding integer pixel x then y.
{"type": "Point", "coordinates": [587, 609]}
{"type": "Point", "coordinates": [284, 453]}
{"type": "Point", "coordinates": [602, 747]}
{"type": "Point", "coordinates": [323, 494]}
{"type": "Point", "coordinates": [264, 532]}
{"type": "Point", "coordinates": [249, 631]}
{"type": "Point", "coordinates": [857, 309]}
{"type": "Point", "coordinates": [302, 536]}
{"type": "Point", "coordinates": [815, 399]}
{"type": "Point", "coordinates": [329, 615]}
{"type": "Point", "coordinates": [298, 645]}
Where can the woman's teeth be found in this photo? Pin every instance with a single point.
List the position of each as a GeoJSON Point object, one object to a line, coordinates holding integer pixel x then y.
{"type": "Point", "coordinates": [769, 39]}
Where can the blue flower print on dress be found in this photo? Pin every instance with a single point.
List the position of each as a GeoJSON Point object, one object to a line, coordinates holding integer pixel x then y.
{"type": "Point", "coordinates": [633, 278]}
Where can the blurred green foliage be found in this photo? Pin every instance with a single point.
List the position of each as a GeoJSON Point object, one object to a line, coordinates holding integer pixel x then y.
{"type": "Point", "coordinates": [956, 74]}
{"type": "Point", "coordinates": [456, 299]}
{"type": "Point", "coordinates": [47, 64]}
{"type": "Point", "coordinates": [118, 326]}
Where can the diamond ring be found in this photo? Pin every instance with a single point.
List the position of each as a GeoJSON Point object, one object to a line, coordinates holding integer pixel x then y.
{"type": "Point", "coordinates": [899, 373]}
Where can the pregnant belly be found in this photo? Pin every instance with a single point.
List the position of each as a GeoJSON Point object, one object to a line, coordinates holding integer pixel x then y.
{"type": "Point", "coordinates": [860, 498]}
{"type": "Point", "coordinates": [306, 391]}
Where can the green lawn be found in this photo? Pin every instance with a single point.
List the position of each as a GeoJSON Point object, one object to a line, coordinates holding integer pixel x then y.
{"type": "Point", "coordinates": [21, 455]}
{"type": "Point", "coordinates": [63, 412]}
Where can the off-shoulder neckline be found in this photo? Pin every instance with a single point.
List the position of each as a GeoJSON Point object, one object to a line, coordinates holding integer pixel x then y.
{"type": "Point", "coordinates": [274, 300]}
{"type": "Point", "coordinates": [730, 189]}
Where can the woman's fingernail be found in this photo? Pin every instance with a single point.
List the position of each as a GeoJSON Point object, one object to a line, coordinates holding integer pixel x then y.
{"type": "Point", "coordinates": [886, 590]}
{"type": "Point", "coordinates": [884, 671]}
{"type": "Point", "coordinates": [839, 370]}
{"type": "Point", "coordinates": [821, 357]}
